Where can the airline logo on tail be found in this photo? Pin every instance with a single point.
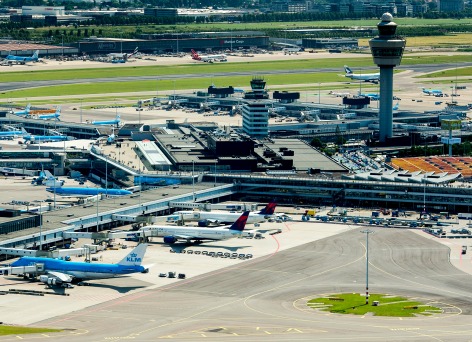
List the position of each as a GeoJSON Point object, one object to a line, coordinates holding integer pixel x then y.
{"type": "Point", "coordinates": [269, 209]}
{"type": "Point", "coordinates": [135, 257]}
{"type": "Point", "coordinates": [35, 55]}
{"type": "Point", "coordinates": [347, 70]}
{"type": "Point", "coordinates": [195, 55]}
{"type": "Point", "coordinates": [240, 222]}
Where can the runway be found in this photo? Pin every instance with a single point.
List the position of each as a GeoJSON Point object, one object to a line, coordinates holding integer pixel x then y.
{"type": "Point", "coordinates": [9, 86]}
{"type": "Point", "coordinates": [265, 299]}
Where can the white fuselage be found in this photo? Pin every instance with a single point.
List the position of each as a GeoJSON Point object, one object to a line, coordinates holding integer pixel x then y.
{"type": "Point", "coordinates": [216, 216]}
{"type": "Point", "coordinates": [193, 233]}
{"type": "Point", "coordinates": [364, 77]}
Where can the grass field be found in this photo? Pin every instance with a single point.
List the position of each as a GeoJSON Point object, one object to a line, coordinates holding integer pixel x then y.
{"type": "Point", "coordinates": [448, 41]}
{"type": "Point", "coordinates": [354, 303]}
{"type": "Point", "coordinates": [209, 69]}
{"type": "Point", "coordinates": [197, 83]}
{"type": "Point", "coordinates": [450, 73]}
{"type": "Point", "coordinates": [15, 330]}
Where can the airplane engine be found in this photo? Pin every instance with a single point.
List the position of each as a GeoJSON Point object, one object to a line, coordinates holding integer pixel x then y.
{"type": "Point", "coordinates": [48, 280]}
{"type": "Point", "coordinates": [203, 223]}
{"type": "Point", "coordinates": [169, 239]}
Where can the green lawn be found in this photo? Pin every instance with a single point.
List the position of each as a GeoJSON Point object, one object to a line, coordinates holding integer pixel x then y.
{"type": "Point", "coordinates": [15, 330]}
{"type": "Point", "coordinates": [354, 303]}
{"type": "Point", "coordinates": [209, 69]}
{"type": "Point", "coordinates": [467, 71]}
{"type": "Point", "coordinates": [161, 85]}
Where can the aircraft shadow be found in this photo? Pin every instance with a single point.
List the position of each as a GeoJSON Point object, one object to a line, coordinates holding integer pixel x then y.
{"type": "Point", "coordinates": [182, 248]}
{"type": "Point", "coordinates": [120, 289]}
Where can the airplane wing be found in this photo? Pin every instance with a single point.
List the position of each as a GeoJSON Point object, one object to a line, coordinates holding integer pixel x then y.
{"type": "Point", "coordinates": [65, 278]}
{"type": "Point", "coordinates": [189, 238]}
{"type": "Point", "coordinates": [184, 237]}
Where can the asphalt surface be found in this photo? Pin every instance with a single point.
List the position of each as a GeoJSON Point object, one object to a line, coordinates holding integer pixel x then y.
{"type": "Point", "coordinates": [8, 86]}
{"type": "Point", "coordinates": [265, 299]}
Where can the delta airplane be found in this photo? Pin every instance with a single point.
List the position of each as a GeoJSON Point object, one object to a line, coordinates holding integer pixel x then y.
{"type": "Point", "coordinates": [46, 138]}
{"type": "Point", "coordinates": [374, 78]}
{"type": "Point", "coordinates": [173, 234]}
{"type": "Point", "coordinates": [205, 218]}
{"type": "Point", "coordinates": [116, 122]}
{"type": "Point", "coordinates": [22, 60]}
{"type": "Point", "coordinates": [54, 116]}
{"type": "Point", "coordinates": [24, 112]}
{"type": "Point", "coordinates": [432, 91]}
{"type": "Point", "coordinates": [86, 192]}
{"type": "Point", "coordinates": [208, 58]}
{"type": "Point", "coordinates": [58, 272]}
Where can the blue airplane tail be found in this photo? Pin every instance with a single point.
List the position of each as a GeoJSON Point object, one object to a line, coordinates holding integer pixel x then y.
{"type": "Point", "coordinates": [240, 222]}
{"type": "Point", "coordinates": [269, 208]}
{"type": "Point", "coordinates": [347, 70]}
{"type": "Point", "coordinates": [35, 55]}
{"type": "Point", "coordinates": [135, 257]}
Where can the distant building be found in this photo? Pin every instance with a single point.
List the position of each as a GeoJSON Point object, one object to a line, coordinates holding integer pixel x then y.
{"type": "Point", "coordinates": [161, 12]}
{"type": "Point", "coordinates": [451, 5]}
{"type": "Point", "coordinates": [328, 43]}
{"type": "Point", "coordinates": [43, 10]}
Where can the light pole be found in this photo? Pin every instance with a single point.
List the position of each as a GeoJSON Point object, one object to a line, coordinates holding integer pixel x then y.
{"type": "Point", "coordinates": [62, 36]}
{"type": "Point", "coordinates": [367, 232]}
{"type": "Point", "coordinates": [319, 93]}
{"type": "Point", "coordinates": [81, 110]}
{"type": "Point", "coordinates": [54, 175]}
{"type": "Point", "coordinates": [193, 180]}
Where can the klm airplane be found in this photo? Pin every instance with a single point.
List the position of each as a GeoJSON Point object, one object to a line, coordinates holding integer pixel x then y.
{"type": "Point", "coordinates": [54, 116]}
{"type": "Point", "coordinates": [58, 272]}
{"type": "Point", "coordinates": [86, 192]}
{"type": "Point", "coordinates": [24, 112]}
{"type": "Point", "coordinates": [116, 122]}
{"type": "Point", "coordinates": [46, 138]}
{"type": "Point", "coordinates": [22, 60]}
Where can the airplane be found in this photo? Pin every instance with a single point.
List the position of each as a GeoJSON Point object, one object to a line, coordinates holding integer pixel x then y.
{"type": "Point", "coordinates": [55, 115]}
{"type": "Point", "coordinates": [290, 50]}
{"type": "Point", "coordinates": [24, 112]}
{"type": "Point", "coordinates": [432, 91]}
{"type": "Point", "coordinates": [208, 58]}
{"type": "Point", "coordinates": [396, 106]}
{"type": "Point", "coordinates": [46, 178]}
{"type": "Point", "coordinates": [58, 272]}
{"type": "Point", "coordinates": [22, 60]}
{"type": "Point", "coordinates": [172, 234]}
{"type": "Point", "coordinates": [374, 78]}
{"type": "Point", "coordinates": [86, 192]}
{"type": "Point", "coordinates": [116, 122]}
{"type": "Point", "coordinates": [337, 94]}
{"type": "Point", "coordinates": [372, 96]}
{"type": "Point", "coordinates": [46, 138]}
{"type": "Point", "coordinates": [205, 218]}
{"type": "Point", "coordinates": [12, 132]}
{"type": "Point", "coordinates": [123, 55]}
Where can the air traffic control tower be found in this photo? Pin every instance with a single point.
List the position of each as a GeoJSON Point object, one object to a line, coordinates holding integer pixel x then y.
{"type": "Point", "coordinates": [387, 50]}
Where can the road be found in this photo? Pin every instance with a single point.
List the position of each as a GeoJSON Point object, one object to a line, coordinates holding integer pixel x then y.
{"type": "Point", "coordinates": [265, 299]}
